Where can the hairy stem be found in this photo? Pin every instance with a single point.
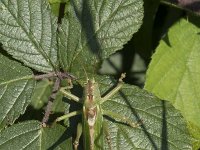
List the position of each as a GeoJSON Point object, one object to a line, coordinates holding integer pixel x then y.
{"type": "Point", "coordinates": [61, 75]}
{"type": "Point", "coordinates": [50, 102]}
{"type": "Point", "coordinates": [43, 76]}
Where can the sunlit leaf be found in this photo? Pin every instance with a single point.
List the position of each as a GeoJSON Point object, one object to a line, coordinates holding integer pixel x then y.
{"type": "Point", "coordinates": [28, 33]}
{"type": "Point", "coordinates": [173, 73]}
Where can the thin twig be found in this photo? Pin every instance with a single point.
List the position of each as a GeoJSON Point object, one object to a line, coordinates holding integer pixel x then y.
{"type": "Point", "coordinates": [50, 102]}
{"type": "Point", "coordinates": [43, 76]}
{"type": "Point", "coordinates": [59, 76]}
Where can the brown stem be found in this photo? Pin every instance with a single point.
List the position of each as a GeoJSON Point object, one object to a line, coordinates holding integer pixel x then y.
{"type": "Point", "coordinates": [50, 102]}
{"type": "Point", "coordinates": [61, 75]}
{"type": "Point", "coordinates": [42, 76]}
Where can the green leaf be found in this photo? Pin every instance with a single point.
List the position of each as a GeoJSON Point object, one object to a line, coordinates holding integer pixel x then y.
{"type": "Point", "coordinates": [59, 104]}
{"type": "Point", "coordinates": [173, 73]}
{"type": "Point", "coordinates": [41, 93]}
{"type": "Point", "coordinates": [92, 30]}
{"type": "Point", "coordinates": [162, 127]}
{"type": "Point", "coordinates": [195, 132]}
{"type": "Point", "coordinates": [16, 86]}
{"type": "Point", "coordinates": [30, 135]}
{"type": "Point", "coordinates": [56, 6]}
{"type": "Point", "coordinates": [28, 33]}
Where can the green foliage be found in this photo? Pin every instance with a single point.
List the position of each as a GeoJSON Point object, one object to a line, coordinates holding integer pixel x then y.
{"type": "Point", "coordinates": [91, 31]}
{"type": "Point", "coordinates": [56, 5]}
{"type": "Point", "coordinates": [30, 135]}
{"type": "Point", "coordinates": [178, 61]}
{"type": "Point", "coordinates": [16, 86]}
{"type": "Point", "coordinates": [36, 41]}
{"type": "Point", "coordinates": [162, 125]}
{"type": "Point", "coordinates": [41, 94]}
{"type": "Point", "coordinates": [28, 33]}
{"type": "Point", "coordinates": [173, 71]}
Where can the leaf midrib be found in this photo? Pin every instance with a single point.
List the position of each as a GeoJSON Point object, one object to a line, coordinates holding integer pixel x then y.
{"type": "Point", "coordinates": [17, 79]}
